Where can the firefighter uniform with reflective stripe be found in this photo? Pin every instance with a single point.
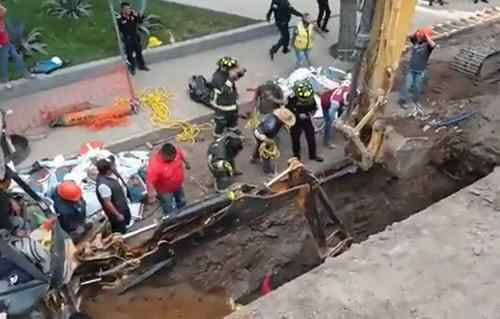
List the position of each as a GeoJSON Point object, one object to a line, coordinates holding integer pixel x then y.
{"type": "Point", "coordinates": [225, 97]}
{"type": "Point", "coordinates": [221, 155]}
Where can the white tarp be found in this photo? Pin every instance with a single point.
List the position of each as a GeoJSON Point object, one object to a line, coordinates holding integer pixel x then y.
{"type": "Point", "coordinates": [321, 79]}
{"type": "Point", "coordinates": [83, 171]}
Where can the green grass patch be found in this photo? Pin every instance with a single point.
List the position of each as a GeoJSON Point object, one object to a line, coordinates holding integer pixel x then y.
{"type": "Point", "coordinates": [93, 38]}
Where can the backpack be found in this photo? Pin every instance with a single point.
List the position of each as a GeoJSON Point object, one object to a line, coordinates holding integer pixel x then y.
{"type": "Point", "coordinates": [45, 67]}
{"type": "Point", "coordinates": [199, 90]}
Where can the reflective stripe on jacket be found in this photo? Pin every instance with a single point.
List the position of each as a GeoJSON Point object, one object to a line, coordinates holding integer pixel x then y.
{"type": "Point", "coordinates": [304, 37]}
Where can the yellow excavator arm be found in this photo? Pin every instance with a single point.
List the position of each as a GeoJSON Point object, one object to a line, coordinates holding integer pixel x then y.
{"type": "Point", "coordinates": [389, 26]}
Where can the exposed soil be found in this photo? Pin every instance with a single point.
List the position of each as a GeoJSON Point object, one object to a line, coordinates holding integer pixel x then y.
{"type": "Point", "coordinates": [179, 302]}
{"type": "Point", "coordinates": [278, 239]}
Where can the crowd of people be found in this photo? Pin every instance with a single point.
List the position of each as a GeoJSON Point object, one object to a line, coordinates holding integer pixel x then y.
{"type": "Point", "coordinates": [165, 172]}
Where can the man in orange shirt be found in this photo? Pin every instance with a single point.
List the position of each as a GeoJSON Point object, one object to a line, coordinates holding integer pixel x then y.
{"type": "Point", "coordinates": [165, 178]}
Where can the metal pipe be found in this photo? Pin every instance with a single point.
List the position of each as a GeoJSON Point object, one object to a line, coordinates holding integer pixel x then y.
{"type": "Point", "coordinates": [140, 231]}
{"type": "Point", "coordinates": [90, 282]}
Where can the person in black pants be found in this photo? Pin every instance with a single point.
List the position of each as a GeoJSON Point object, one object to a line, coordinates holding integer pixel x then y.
{"type": "Point", "coordinates": [112, 196]}
{"type": "Point", "coordinates": [303, 106]}
{"type": "Point", "coordinates": [128, 22]}
{"type": "Point", "coordinates": [282, 10]}
{"type": "Point", "coordinates": [324, 15]}
{"type": "Point", "coordinates": [439, 1]}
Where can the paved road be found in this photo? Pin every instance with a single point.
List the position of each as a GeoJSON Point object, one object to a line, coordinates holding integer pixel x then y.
{"type": "Point", "coordinates": [173, 75]}
{"type": "Point", "coordinates": [257, 9]}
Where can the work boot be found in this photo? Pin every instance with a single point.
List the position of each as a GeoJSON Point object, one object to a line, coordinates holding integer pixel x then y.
{"type": "Point", "coordinates": [286, 50]}
{"type": "Point", "coordinates": [271, 54]}
{"type": "Point", "coordinates": [402, 104]}
{"type": "Point", "coordinates": [325, 30]}
{"type": "Point", "coordinates": [317, 159]}
{"type": "Point", "coordinates": [237, 173]}
{"type": "Point", "coordinates": [144, 68]}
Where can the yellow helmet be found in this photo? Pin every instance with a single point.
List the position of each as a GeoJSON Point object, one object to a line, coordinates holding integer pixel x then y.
{"type": "Point", "coordinates": [303, 90]}
{"type": "Point", "coordinates": [227, 63]}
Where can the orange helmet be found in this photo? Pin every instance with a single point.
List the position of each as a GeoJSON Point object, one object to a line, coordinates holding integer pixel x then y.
{"type": "Point", "coordinates": [69, 191]}
{"type": "Point", "coordinates": [425, 31]}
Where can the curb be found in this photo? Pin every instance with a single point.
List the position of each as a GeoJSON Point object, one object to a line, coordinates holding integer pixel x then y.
{"type": "Point", "coordinates": [99, 68]}
{"type": "Point", "coordinates": [156, 135]}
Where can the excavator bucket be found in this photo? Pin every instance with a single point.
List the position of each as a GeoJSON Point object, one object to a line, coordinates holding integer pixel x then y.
{"type": "Point", "coordinates": [389, 22]}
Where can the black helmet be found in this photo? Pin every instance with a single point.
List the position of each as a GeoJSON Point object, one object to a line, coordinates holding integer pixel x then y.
{"type": "Point", "coordinates": [227, 63]}
{"type": "Point", "coordinates": [303, 90]}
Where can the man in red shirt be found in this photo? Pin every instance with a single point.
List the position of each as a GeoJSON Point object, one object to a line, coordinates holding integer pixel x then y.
{"type": "Point", "coordinates": [7, 50]}
{"type": "Point", "coordinates": [165, 178]}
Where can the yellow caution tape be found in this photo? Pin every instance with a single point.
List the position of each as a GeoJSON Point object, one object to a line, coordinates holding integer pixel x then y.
{"type": "Point", "coordinates": [158, 103]}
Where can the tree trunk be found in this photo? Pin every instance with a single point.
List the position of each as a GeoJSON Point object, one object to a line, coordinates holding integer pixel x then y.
{"type": "Point", "coordinates": [347, 31]}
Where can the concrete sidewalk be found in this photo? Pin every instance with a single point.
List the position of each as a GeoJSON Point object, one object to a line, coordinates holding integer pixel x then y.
{"type": "Point", "coordinates": [174, 74]}
{"type": "Point", "coordinates": [256, 9]}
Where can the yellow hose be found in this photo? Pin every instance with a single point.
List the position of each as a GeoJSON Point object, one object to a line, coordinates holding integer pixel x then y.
{"type": "Point", "coordinates": [269, 151]}
{"type": "Point", "coordinates": [158, 103]}
{"type": "Point", "coordinates": [253, 122]}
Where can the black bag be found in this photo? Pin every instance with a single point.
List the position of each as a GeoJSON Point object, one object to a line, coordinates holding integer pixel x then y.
{"type": "Point", "coordinates": [199, 90]}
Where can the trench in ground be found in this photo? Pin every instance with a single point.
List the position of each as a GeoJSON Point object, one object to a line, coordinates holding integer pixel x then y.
{"type": "Point", "coordinates": [232, 265]}
{"type": "Point", "coordinates": [367, 202]}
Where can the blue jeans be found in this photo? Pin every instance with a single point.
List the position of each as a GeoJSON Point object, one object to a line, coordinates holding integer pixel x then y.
{"type": "Point", "coordinates": [302, 57]}
{"type": "Point", "coordinates": [414, 80]}
{"type": "Point", "coordinates": [172, 202]}
{"type": "Point", "coordinates": [329, 117]}
{"type": "Point", "coordinates": [6, 51]}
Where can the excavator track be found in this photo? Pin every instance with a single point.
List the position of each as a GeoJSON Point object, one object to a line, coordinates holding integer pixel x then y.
{"type": "Point", "coordinates": [480, 59]}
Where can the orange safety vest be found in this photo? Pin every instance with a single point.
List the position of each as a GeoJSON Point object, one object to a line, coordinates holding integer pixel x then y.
{"type": "Point", "coordinates": [304, 37]}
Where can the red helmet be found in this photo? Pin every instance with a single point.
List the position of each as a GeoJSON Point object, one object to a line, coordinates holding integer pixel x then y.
{"type": "Point", "coordinates": [69, 191]}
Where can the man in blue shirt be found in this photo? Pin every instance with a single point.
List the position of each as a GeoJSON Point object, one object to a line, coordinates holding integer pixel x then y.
{"type": "Point", "coordinates": [71, 209]}
{"type": "Point", "coordinates": [423, 45]}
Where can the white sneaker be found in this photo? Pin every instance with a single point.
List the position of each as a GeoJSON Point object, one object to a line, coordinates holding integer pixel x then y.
{"type": "Point", "coordinates": [8, 86]}
{"type": "Point", "coordinates": [331, 146]}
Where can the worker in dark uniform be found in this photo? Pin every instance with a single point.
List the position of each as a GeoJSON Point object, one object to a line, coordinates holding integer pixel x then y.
{"type": "Point", "coordinates": [221, 155]}
{"type": "Point", "coordinates": [266, 134]}
{"type": "Point", "coordinates": [324, 15]}
{"type": "Point", "coordinates": [225, 95]}
{"type": "Point", "coordinates": [128, 23]}
{"type": "Point", "coordinates": [112, 197]}
{"type": "Point", "coordinates": [303, 105]}
{"type": "Point", "coordinates": [268, 97]}
{"type": "Point", "coordinates": [283, 11]}
{"type": "Point", "coordinates": [71, 210]}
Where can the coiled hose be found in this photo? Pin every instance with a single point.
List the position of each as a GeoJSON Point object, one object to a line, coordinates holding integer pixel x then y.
{"type": "Point", "coordinates": [269, 150]}
{"type": "Point", "coordinates": [158, 103]}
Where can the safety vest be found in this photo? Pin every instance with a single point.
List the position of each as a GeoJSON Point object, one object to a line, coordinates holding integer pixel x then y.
{"type": "Point", "coordinates": [304, 37]}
